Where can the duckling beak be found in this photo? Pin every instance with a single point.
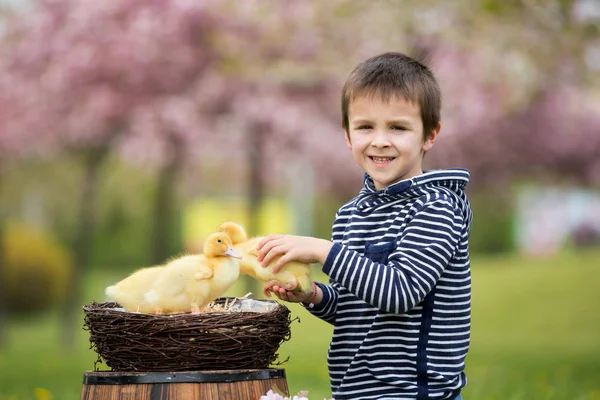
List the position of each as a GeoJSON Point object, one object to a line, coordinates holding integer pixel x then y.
{"type": "Point", "coordinates": [231, 252]}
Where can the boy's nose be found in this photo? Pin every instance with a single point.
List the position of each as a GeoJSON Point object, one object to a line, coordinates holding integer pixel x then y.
{"type": "Point", "coordinates": [380, 139]}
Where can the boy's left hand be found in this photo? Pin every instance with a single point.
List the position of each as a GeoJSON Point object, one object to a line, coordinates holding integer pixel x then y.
{"type": "Point", "coordinates": [292, 248]}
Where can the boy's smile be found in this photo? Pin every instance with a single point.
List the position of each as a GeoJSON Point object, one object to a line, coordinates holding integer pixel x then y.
{"type": "Point", "coordinates": [386, 138]}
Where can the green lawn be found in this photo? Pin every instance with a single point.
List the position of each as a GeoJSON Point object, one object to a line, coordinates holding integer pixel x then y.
{"type": "Point", "coordinates": [536, 335]}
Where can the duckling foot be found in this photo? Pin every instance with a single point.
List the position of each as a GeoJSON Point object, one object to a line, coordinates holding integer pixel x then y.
{"type": "Point", "coordinates": [196, 309]}
{"type": "Point", "coordinates": [287, 286]}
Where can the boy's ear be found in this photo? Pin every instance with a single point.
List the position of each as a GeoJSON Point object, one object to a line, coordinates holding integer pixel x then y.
{"type": "Point", "coordinates": [430, 139]}
{"type": "Point", "coordinates": [347, 137]}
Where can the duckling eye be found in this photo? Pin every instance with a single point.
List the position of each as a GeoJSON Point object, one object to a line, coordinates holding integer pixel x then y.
{"type": "Point", "coordinates": [219, 241]}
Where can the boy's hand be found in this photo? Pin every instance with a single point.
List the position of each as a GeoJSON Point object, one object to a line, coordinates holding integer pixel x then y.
{"type": "Point", "coordinates": [287, 295]}
{"type": "Point", "coordinates": [292, 248]}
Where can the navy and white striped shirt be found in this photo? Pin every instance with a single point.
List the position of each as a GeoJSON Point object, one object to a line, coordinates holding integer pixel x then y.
{"type": "Point", "coordinates": [400, 290]}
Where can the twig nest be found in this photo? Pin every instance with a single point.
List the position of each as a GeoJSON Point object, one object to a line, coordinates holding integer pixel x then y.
{"type": "Point", "coordinates": [232, 333]}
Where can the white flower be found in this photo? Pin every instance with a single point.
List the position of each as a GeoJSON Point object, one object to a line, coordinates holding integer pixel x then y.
{"type": "Point", "coordinates": [272, 396]}
{"type": "Point", "coordinates": [301, 395]}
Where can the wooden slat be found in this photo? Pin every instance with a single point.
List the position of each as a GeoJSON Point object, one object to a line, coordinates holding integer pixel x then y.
{"type": "Point", "coordinates": [244, 389]}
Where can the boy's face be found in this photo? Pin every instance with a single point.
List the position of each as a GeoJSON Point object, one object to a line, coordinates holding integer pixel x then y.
{"type": "Point", "coordinates": [386, 138]}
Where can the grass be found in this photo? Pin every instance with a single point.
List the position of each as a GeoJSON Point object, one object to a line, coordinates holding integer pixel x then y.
{"type": "Point", "coordinates": [536, 330]}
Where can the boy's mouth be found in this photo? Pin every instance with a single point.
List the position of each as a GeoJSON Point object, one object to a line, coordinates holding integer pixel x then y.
{"type": "Point", "coordinates": [381, 161]}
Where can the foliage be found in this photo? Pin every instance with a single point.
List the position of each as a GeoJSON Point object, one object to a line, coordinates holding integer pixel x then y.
{"type": "Point", "coordinates": [36, 270]}
{"type": "Point", "coordinates": [211, 82]}
{"type": "Point", "coordinates": [492, 231]}
{"type": "Point", "coordinates": [89, 70]}
{"type": "Point", "coordinates": [231, 65]}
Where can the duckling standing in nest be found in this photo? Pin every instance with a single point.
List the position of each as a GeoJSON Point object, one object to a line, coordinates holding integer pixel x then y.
{"type": "Point", "coordinates": [294, 276]}
{"type": "Point", "coordinates": [191, 282]}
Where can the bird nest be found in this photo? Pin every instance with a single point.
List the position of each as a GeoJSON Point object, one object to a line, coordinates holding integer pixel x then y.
{"type": "Point", "coordinates": [231, 333]}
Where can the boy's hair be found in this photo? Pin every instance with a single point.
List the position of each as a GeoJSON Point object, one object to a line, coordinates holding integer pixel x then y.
{"type": "Point", "coordinates": [395, 74]}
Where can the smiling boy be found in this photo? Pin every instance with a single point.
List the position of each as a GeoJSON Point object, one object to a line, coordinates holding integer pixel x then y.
{"type": "Point", "coordinates": [400, 285]}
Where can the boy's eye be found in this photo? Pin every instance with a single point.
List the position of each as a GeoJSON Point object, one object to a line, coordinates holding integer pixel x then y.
{"type": "Point", "coordinates": [398, 128]}
{"type": "Point", "coordinates": [364, 127]}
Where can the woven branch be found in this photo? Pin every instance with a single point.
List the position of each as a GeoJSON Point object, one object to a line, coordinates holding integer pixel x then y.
{"type": "Point", "coordinates": [186, 342]}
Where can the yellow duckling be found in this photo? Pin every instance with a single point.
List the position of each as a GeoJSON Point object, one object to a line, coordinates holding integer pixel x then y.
{"type": "Point", "coordinates": [129, 292]}
{"type": "Point", "coordinates": [191, 282]}
{"type": "Point", "coordinates": [294, 276]}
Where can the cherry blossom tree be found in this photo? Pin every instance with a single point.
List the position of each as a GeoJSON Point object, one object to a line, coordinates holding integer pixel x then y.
{"type": "Point", "coordinates": [485, 129]}
{"type": "Point", "coordinates": [83, 69]}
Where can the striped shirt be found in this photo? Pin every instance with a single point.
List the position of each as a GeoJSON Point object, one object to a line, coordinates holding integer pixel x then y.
{"type": "Point", "coordinates": [400, 290]}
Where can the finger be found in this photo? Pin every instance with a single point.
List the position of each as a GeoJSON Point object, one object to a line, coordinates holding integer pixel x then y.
{"type": "Point", "coordinates": [283, 296]}
{"type": "Point", "coordinates": [266, 248]}
{"type": "Point", "coordinates": [277, 292]}
{"type": "Point", "coordinates": [265, 240]}
{"type": "Point", "coordinates": [272, 286]}
{"type": "Point", "coordinates": [273, 252]}
{"type": "Point", "coordinates": [268, 288]}
{"type": "Point", "coordinates": [284, 293]}
{"type": "Point", "coordinates": [281, 262]}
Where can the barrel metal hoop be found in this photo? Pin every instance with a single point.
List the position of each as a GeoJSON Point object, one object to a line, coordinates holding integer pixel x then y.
{"type": "Point", "coordinates": [128, 378]}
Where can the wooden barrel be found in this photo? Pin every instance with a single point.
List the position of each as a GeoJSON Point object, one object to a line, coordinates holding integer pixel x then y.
{"type": "Point", "coordinates": [204, 385]}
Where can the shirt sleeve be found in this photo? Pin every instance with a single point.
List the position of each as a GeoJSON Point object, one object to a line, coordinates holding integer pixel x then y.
{"type": "Point", "coordinates": [423, 250]}
{"type": "Point", "coordinates": [326, 309]}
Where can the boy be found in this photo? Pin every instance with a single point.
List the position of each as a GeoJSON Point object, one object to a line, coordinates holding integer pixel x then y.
{"type": "Point", "coordinates": [400, 284]}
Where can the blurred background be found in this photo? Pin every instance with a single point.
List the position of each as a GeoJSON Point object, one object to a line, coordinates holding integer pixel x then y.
{"type": "Point", "coordinates": [130, 129]}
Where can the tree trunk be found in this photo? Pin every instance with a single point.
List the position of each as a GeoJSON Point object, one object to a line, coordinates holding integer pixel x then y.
{"type": "Point", "coordinates": [163, 229]}
{"type": "Point", "coordinates": [82, 242]}
{"type": "Point", "coordinates": [3, 311]}
{"type": "Point", "coordinates": [301, 194]}
{"type": "Point", "coordinates": [255, 188]}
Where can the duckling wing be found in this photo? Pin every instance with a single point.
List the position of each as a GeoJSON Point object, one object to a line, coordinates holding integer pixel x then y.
{"type": "Point", "coordinates": [204, 272]}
